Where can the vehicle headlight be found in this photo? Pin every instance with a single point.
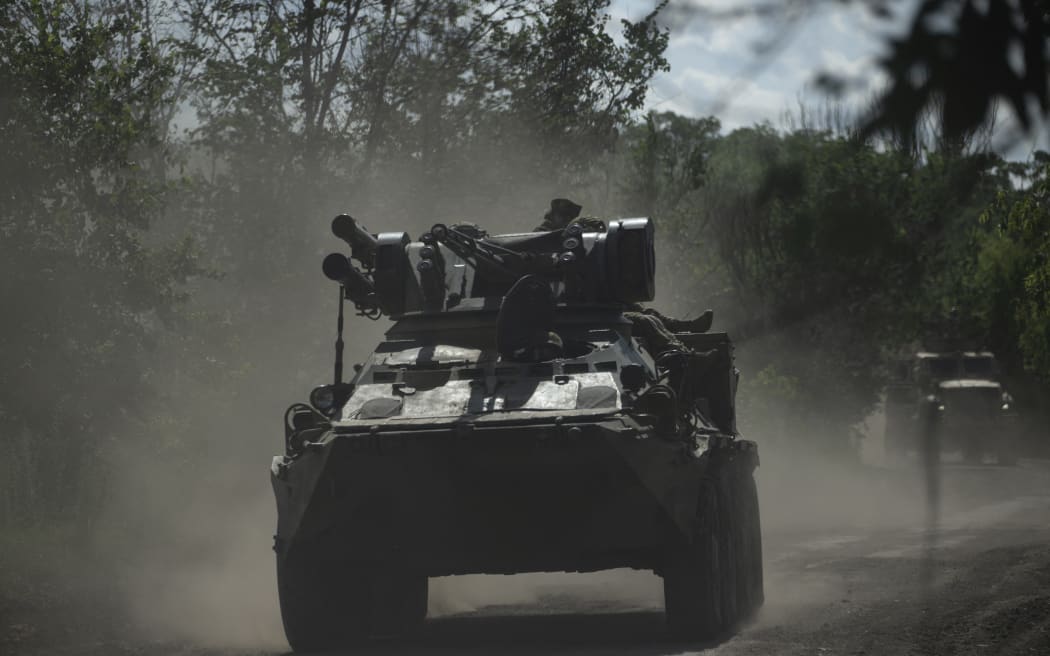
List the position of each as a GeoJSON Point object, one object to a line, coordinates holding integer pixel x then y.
{"type": "Point", "coordinates": [323, 398]}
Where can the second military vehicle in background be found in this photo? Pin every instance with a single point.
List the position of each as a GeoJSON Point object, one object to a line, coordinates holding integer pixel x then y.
{"type": "Point", "coordinates": [950, 402]}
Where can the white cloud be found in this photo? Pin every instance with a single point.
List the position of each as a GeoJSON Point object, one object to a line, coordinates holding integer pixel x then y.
{"type": "Point", "coordinates": [709, 62]}
{"type": "Point", "coordinates": [737, 101]}
{"type": "Point", "coordinates": [740, 34]}
{"type": "Point", "coordinates": [837, 63]}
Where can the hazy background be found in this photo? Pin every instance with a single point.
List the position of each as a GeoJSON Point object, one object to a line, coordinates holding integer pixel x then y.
{"type": "Point", "coordinates": [171, 168]}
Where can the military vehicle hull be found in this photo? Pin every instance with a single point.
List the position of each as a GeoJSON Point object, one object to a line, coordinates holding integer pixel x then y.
{"type": "Point", "coordinates": [379, 511]}
{"type": "Point", "coordinates": [948, 403]}
{"type": "Point", "coordinates": [579, 495]}
{"type": "Point", "coordinates": [512, 421]}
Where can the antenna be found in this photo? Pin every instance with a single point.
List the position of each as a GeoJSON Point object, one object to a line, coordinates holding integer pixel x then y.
{"type": "Point", "coordinates": [339, 339]}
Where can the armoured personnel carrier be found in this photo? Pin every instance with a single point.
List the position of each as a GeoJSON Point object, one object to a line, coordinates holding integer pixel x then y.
{"type": "Point", "coordinates": [511, 422]}
{"type": "Point", "coordinates": [953, 402]}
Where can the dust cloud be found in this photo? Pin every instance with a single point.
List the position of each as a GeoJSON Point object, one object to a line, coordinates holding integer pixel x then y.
{"type": "Point", "coordinates": [608, 591]}
{"type": "Point", "coordinates": [188, 538]}
{"type": "Point", "coordinates": [809, 501]}
{"type": "Point", "coordinates": [202, 570]}
{"type": "Point", "coordinates": [196, 564]}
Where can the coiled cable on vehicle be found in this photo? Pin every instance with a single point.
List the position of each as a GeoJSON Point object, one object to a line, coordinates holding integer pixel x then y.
{"type": "Point", "coordinates": [297, 418]}
{"type": "Point", "coordinates": [373, 313]}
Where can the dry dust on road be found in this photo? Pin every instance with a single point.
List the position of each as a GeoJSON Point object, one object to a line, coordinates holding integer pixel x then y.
{"type": "Point", "coordinates": [855, 564]}
{"type": "Point", "coordinates": [875, 579]}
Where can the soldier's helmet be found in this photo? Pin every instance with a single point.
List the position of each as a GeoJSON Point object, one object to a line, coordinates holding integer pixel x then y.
{"type": "Point", "coordinates": [561, 213]}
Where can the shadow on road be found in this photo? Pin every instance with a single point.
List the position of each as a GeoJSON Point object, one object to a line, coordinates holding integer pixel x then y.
{"type": "Point", "coordinates": [636, 633]}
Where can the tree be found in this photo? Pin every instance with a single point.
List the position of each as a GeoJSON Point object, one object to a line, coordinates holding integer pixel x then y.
{"type": "Point", "coordinates": [1011, 281]}
{"type": "Point", "coordinates": [959, 59]}
{"type": "Point", "coordinates": [81, 89]}
{"type": "Point", "coordinates": [822, 252]}
{"type": "Point", "coordinates": [404, 113]}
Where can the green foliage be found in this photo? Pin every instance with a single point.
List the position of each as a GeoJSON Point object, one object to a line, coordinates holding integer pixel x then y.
{"type": "Point", "coordinates": [822, 253]}
{"type": "Point", "coordinates": [84, 177]}
{"type": "Point", "coordinates": [448, 96]}
{"type": "Point", "coordinates": [669, 155]}
{"type": "Point", "coordinates": [817, 249]}
{"type": "Point", "coordinates": [1013, 270]}
{"type": "Point", "coordinates": [570, 82]}
{"type": "Point", "coordinates": [959, 58]}
{"type": "Point", "coordinates": [664, 175]}
{"type": "Point", "coordinates": [404, 113]}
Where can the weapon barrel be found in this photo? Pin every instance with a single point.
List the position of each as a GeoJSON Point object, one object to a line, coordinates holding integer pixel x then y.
{"type": "Point", "coordinates": [359, 288]}
{"type": "Point", "coordinates": [362, 243]}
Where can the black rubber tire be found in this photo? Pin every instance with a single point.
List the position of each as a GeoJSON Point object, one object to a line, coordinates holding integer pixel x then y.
{"type": "Point", "coordinates": [322, 606]}
{"type": "Point", "coordinates": [694, 574]}
{"type": "Point", "coordinates": [751, 591]}
{"type": "Point", "coordinates": [329, 605]}
{"type": "Point", "coordinates": [713, 582]}
{"type": "Point", "coordinates": [401, 601]}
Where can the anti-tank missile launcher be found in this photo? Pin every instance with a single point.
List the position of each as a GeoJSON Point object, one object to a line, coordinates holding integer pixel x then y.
{"type": "Point", "coordinates": [614, 266]}
{"type": "Point", "coordinates": [518, 417]}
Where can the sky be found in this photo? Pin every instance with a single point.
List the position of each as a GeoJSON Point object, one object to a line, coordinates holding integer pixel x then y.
{"type": "Point", "coordinates": [716, 68]}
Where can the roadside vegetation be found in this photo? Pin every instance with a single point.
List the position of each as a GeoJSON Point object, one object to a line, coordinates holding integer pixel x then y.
{"type": "Point", "coordinates": [170, 168]}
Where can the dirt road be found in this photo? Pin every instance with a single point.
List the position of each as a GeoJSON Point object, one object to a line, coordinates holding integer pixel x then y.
{"type": "Point", "coordinates": [979, 584]}
{"type": "Point", "coordinates": [854, 565]}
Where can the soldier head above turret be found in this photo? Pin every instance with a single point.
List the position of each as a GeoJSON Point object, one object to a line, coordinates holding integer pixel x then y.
{"type": "Point", "coordinates": [565, 213]}
{"type": "Point", "coordinates": [562, 212]}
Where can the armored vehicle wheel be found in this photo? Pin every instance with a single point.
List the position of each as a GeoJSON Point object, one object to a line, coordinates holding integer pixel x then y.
{"type": "Point", "coordinates": [327, 604]}
{"type": "Point", "coordinates": [714, 581]}
{"type": "Point", "coordinates": [751, 594]}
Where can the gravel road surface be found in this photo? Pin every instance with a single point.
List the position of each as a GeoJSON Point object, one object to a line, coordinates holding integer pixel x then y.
{"type": "Point", "coordinates": [855, 564]}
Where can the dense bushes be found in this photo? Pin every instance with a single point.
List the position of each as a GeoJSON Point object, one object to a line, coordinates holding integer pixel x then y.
{"type": "Point", "coordinates": [170, 168]}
